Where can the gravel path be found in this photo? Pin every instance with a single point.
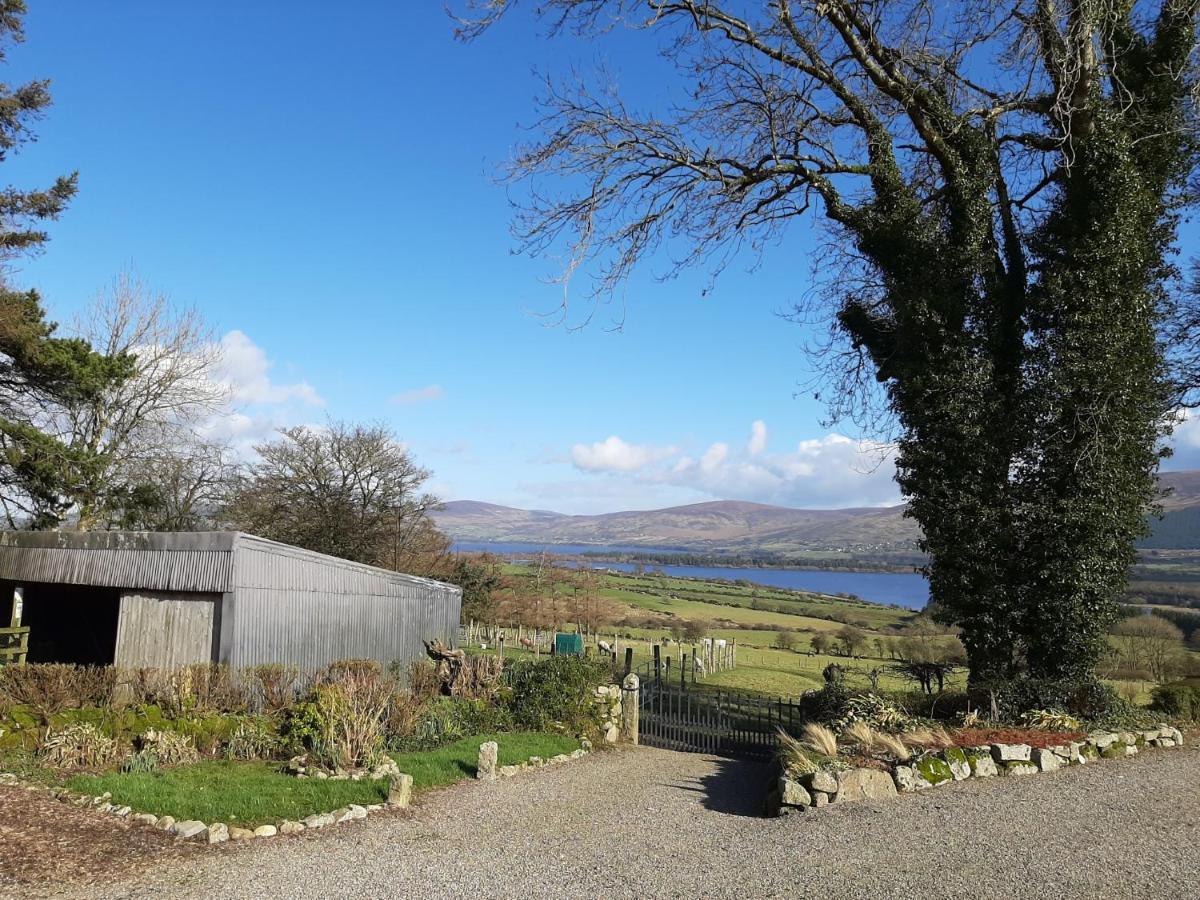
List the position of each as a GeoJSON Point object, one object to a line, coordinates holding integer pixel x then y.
{"type": "Point", "coordinates": [651, 823]}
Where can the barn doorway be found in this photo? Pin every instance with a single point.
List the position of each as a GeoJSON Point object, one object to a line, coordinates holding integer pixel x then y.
{"type": "Point", "coordinates": [70, 623]}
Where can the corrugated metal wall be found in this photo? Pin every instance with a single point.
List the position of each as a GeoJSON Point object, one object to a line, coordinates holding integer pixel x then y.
{"type": "Point", "coordinates": [289, 605]}
{"type": "Point", "coordinates": [162, 629]}
{"type": "Point", "coordinates": [179, 570]}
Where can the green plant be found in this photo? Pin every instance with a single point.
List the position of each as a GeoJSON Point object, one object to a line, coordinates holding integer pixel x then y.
{"type": "Point", "coordinates": [254, 738]}
{"type": "Point", "coordinates": [1179, 698]}
{"type": "Point", "coordinates": [1050, 720]}
{"type": "Point", "coordinates": [448, 719]}
{"type": "Point", "coordinates": [558, 691]}
{"type": "Point", "coordinates": [342, 722]}
{"type": "Point", "coordinates": [77, 746]}
{"type": "Point", "coordinates": [170, 748]}
{"type": "Point", "coordinates": [873, 710]}
{"type": "Point", "coordinates": [140, 761]}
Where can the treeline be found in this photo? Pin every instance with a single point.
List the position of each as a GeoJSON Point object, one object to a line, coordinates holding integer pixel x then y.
{"type": "Point", "coordinates": [899, 562]}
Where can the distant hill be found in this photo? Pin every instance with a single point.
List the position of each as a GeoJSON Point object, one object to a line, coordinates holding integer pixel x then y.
{"type": "Point", "coordinates": [736, 526]}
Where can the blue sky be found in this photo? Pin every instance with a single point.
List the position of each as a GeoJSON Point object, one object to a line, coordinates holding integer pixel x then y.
{"type": "Point", "coordinates": [322, 188]}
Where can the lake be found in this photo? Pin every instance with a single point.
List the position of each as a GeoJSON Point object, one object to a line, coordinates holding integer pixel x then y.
{"type": "Point", "coordinates": [907, 589]}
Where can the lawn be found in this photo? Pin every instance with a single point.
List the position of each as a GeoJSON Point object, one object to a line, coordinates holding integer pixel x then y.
{"type": "Point", "coordinates": [257, 793]}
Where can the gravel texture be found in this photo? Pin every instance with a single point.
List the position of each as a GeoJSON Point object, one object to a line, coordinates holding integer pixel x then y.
{"type": "Point", "coordinates": [652, 823]}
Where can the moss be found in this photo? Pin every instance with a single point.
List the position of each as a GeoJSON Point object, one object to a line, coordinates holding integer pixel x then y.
{"type": "Point", "coordinates": [933, 769]}
{"type": "Point", "coordinates": [955, 755]}
{"type": "Point", "coordinates": [1089, 752]}
{"type": "Point", "coordinates": [1115, 750]}
{"type": "Point", "coordinates": [1018, 767]}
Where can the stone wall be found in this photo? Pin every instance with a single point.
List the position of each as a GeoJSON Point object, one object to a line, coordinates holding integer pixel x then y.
{"type": "Point", "coordinates": [788, 794]}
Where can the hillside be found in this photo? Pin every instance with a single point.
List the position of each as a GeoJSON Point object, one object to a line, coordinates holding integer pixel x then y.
{"type": "Point", "coordinates": [734, 526]}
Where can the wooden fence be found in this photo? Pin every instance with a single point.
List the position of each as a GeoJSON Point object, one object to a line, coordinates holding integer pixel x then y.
{"type": "Point", "coordinates": [14, 644]}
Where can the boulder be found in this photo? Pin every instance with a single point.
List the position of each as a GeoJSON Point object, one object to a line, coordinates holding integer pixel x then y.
{"type": "Point", "coordinates": [146, 819]}
{"type": "Point", "coordinates": [933, 769]}
{"type": "Point", "coordinates": [321, 820]}
{"type": "Point", "coordinates": [1018, 767]}
{"type": "Point", "coordinates": [485, 766]}
{"type": "Point", "coordinates": [1166, 742]}
{"type": "Point", "coordinates": [291, 828]}
{"type": "Point", "coordinates": [1046, 760]}
{"type": "Point", "coordinates": [908, 779]}
{"type": "Point", "coordinates": [400, 790]}
{"type": "Point", "coordinates": [508, 771]}
{"type": "Point", "coordinates": [1102, 739]}
{"type": "Point", "coordinates": [240, 834]}
{"type": "Point", "coordinates": [1088, 753]}
{"type": "Point", "coordinates": [165, 823]}
{"type": "Point", "coordinates": [189, 829]}
{"type": "Point", "coordinates": [792, 793]}
{"type": "Point", "coordinates": [1011, 752]}
{"type": "Point", "coordinates": [218, 833]}
{"type": "Point", "coordinates": [864, 784]}
{"type": "Point", "coordinates": [266, 831]}
{"type": "Point", "coordinates": [960, 768]}
{"type": "Point", "coordinates": [820, 798]}
{"type": "Point", "coordinates": [820, 781]}
{"type": "Point", "coordinates": [342, 814]}
{"type": "Point", "coordinates": [1115, 750]}
{"type": "Point", "coordinates": [357, 812]}
{"type": "Point", "coordinates": [981, 762]}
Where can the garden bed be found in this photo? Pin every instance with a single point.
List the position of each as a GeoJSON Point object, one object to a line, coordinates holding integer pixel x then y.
{"type": "Point", "coordinates": [249, 794]}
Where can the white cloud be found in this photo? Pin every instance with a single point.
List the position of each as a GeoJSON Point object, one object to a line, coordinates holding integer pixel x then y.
{"type": "Point", "coordinates": [246, 371]}
{"type": "Point", "coordinates": [829, 471]}
{"type": "Point", "coordinates": [758, 437]}
{"type": "Point", "coordinates": [616, 455]}
{"type": "Point", "coordinates": [419, 395]}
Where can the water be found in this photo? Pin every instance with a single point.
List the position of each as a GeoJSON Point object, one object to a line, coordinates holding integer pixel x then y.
{"type": "Point", "coordinates": [906, 589]}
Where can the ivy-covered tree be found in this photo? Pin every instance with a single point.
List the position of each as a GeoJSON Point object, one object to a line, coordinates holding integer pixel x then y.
{"type": "Point", "coordinates": [36, 366]}
{"type": "Point", "coordinates": [1001, 183]}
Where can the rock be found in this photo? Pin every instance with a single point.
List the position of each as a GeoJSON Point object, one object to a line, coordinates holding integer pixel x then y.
{"type": "Point", "coordinates": [864, 784]}
{"type": "Point", "coordinates": [820, 798]}
{"type": "Point", "coordinates": [1018, 767]}
{"type": "Point", "coordinates": [400, 791]}
{"type": "Point", "coordinates": [960, 768]}
{"type": "Point", "coordinates": [908, 779]}
{"type": "Point", "coordinates": [357, 812]}
{"type": "Point", "coordinates": [218, 833]}
{"type": "Point", "coordinates": [189, 829]}
{"type": "Point", "coordinates": [240, 834]}
{"type": "Point", "coordinates": [1102, 739]}
{"type": "Point", "coordinates": [981, 762]}
{"type": "Point", "coordinates": [1166, 742]}
{"type": "Point", "coordinates": [560, 759]}
{"type": "Point", "coordinates": [578, 754]}
{"type": "Point", "coordinates": [265, 831]}
{"type": "Point", "coordinates": [122, 811]}
{"type": "Point", "coordinates": [342, 814]}
{"type": "Point", "coordinates": [585, 745]}
{"type": "Point", "coordinates": [1088, 753]}
{"type": "Point", "coordinates": [386, 769]}
{"type": "Point", "coordinates": [1148, 737]}
{"type": "Point", "coordinates": [820, 781]}
{"type": "Point", "coordinates": [1177, 737]}
{"type": "Point", "coordinates": [1115, 750]}
{"type": "Point", "coordinates": [105, 808]}
{"type": "Point", "coordinates": [291, 828]}
{"type": "Point", "coordinates": [933, 769]}
{"type": "Point", "coordinates": [485, 766]}
{"type": "Point", "coordinates": [611, 733]}
{"type": "Point", "coordinates": [1046, 760]}
{"type": "Point", "coordinates": [165, 823]}
{"type": "Point", "coordinates": [146, 819]}
{"type": "Point", "coordinates": [1131, 749]}
{"type": "Point", "coordinates": [792, 793]}
{"type": "Point", "coordinates": [321, 820]}
{"type": "Point", "coordinates": [535, 761]}
{"type": "Point", "coordinates": [321, 776]}
{"type": "Point", "coordinates": [1011, 752]}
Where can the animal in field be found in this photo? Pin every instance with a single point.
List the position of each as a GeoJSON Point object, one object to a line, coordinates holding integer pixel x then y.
{"type": "Point", "coordinates": [605, 646]}
{"type": "Point", "coordinates": [700, 667]}
{"type": "Point", "coordinates": [527, 643]}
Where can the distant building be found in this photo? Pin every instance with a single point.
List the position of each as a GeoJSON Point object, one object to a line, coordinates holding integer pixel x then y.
{"type": "Point", "coordinates": [167, 599]}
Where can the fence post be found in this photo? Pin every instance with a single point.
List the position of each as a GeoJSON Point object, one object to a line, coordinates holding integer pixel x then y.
{"type": "Point", "coordinates": [683, 659]}
{"type": "Point", "coordinates": [628, 660]}
{"type": "Point", "coordinates": [631, 702]}
{"type": "Point", "coordinates": [657, 663]}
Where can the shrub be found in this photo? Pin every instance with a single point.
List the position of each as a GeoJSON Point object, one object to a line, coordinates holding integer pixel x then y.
{"type": "Point", "coordinates": [200, 688]}
{"type": "Point", "coordinates": [49, 688]}
{"type": "Point", "coordinates": [1050, 720]}
{"type": "Point", "coordinates": [423, 681]}
{"type": "Point", "coordinates": [342, 723]}
{"type": "Point", "coordinates": [77, 746]}
{"type": "Point", "coordinates": [254, 738]}
{"type": "Point", "coordinates": [1088, 699]}
{"type": "Point", "coordinates": [1179, 698]}
{"type": "Point", "coordinates": [276, 684]}
{"type": "Point", "coordinates": [558, 691]}
{"type": "Point", "coordinates": [819, 739]}
{"type": "Point", "coordinates": [170, 748]}
{"type": "Point", "coordinates": [793, 756]}
{"type": "Point", "coordinates": [875, 712]}
{"type": "Point", "coordinates": [447, 719]}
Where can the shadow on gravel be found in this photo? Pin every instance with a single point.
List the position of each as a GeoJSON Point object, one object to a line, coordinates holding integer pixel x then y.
{"type": "Point", "coordinates": [736, 787]}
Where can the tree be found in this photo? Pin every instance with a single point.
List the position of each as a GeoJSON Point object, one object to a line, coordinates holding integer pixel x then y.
{"type": "Point", "coordinates": [785, 640]}
{"type": "Point", "coordinates": [694, 630]}
{"type": "Point", "coordinates": [1150, 644]}
{"type": "Point", "coordinates": [821, 642]}
{"type": "Point", "coordinates": [1001, 183]}
{"type": "Point", "coordinates": [480, 576]}
{"type": "Point", "coordinates": [852, 640]}
{"type": "Point", "coordinates": [352, 491]}
{"type": "Point", "coordinates": [115, 441]}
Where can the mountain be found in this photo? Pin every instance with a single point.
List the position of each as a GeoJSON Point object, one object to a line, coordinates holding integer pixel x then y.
{"type": "Point", "coordinates": [738, 526]}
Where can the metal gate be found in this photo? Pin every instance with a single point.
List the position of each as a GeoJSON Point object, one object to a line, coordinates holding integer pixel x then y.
{"type": "Point", "coordinates": [717, 722]}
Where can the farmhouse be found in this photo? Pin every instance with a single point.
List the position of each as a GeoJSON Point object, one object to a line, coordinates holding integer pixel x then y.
{"type": "Point", "coordinates": [167, 599]}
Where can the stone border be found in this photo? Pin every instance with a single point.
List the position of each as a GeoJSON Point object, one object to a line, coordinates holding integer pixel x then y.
{"type": "Point", "coordinates": [930, 769]}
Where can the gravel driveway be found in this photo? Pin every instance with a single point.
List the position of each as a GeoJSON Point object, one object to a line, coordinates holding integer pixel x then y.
{"type": "Point", "coordinates": [652, 823]}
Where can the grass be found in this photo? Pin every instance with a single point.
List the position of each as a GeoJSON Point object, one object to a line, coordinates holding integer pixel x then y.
{"type": "Point", "coordinates": [257, 793]}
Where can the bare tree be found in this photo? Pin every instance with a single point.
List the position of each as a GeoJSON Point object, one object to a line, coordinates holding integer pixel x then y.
{"type": "Point", "coordinates": [108, 442]}
{"type": "Point", "coordinates": [352, 491]}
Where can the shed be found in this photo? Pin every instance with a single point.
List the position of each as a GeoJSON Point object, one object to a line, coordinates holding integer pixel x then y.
{"type": "Point", "coordinates": [168, 599]}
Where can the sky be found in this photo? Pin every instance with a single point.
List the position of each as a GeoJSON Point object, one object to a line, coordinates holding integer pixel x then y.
{"type": "Point", "coordinates": [323, 188]}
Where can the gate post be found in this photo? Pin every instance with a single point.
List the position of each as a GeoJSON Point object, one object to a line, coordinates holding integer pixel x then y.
{"type": "Point", "coordinates": [631, 702]}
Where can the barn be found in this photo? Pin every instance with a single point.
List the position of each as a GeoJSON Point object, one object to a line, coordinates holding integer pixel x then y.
{"type": "Point", "coordinates": [168, 599]}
